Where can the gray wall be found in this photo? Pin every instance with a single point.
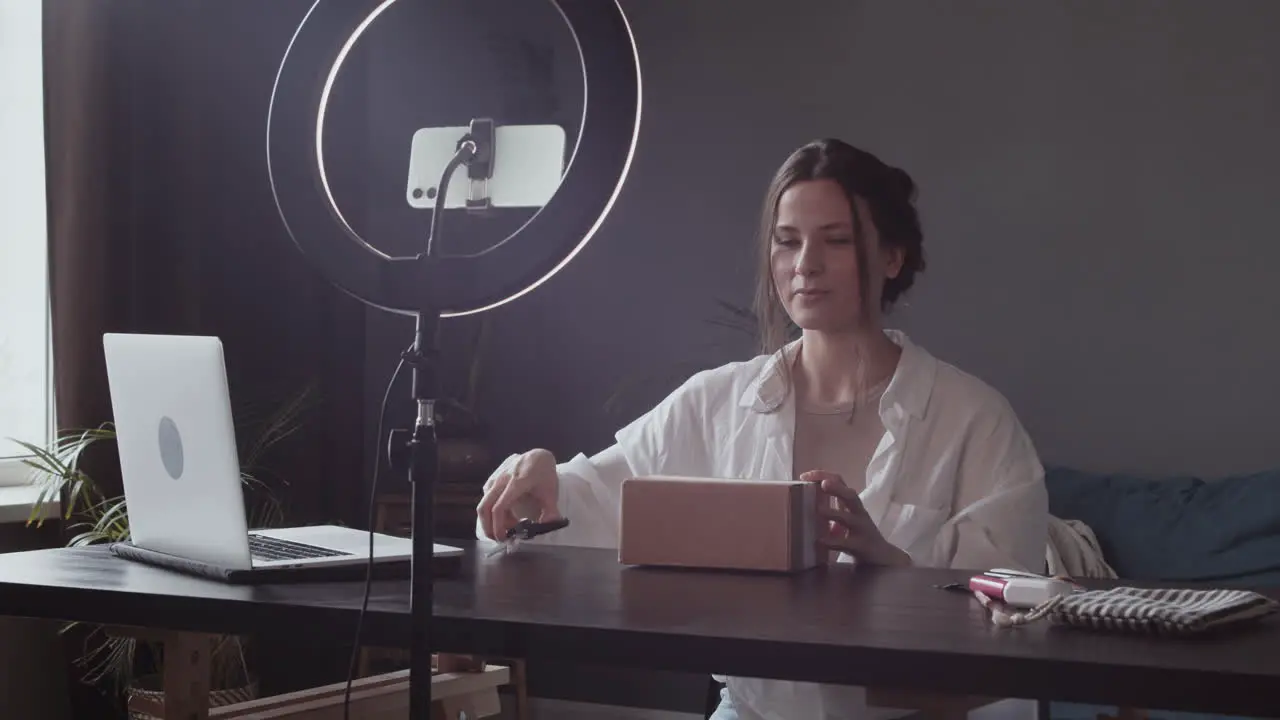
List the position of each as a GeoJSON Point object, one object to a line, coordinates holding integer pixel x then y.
{"type": "Point", "coordinates": [1097, 184]}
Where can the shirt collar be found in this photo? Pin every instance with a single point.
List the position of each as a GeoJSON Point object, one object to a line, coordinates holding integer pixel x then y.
{"type": "Point", "coordinates": [909, 389]}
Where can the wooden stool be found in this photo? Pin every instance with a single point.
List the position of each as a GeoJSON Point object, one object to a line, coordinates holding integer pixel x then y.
{"type": "Point", "coordinates": [455, 696]}
{"type": "Point", "coordinates": [927, 705]}
{"type": "Point", "coordinates": [463, 687]}
{"type": "Point", "coordinates": [1125, 713]}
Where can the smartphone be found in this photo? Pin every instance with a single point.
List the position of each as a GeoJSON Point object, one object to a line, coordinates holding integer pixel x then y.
{"type": "Point", "coordinates": [528, 164]}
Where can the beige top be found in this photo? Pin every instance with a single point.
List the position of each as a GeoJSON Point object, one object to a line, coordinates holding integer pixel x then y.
{"type": "Point", "coordinates": [839, 439]}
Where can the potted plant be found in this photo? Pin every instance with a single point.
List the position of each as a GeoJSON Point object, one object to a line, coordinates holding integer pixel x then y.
{"type": "Point", "coordinates": [130, 665]}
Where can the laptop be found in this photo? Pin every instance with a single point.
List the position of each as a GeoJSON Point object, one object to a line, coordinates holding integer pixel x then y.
{"type": "Point", "coordinates": [181, 474]}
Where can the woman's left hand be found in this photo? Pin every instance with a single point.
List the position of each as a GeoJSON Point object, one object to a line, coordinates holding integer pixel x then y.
{"type": "Point", "coordinates": [849, 527]}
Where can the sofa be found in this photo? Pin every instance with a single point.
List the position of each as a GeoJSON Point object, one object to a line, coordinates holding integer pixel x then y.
{"type": "Point", "coordinates": [1224, 532]}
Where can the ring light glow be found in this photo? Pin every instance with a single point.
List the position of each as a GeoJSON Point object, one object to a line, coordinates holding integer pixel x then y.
{"type": "Point", "coordinates": [593, 179]}
{"type": "Point", "coordinates": [324, 107]}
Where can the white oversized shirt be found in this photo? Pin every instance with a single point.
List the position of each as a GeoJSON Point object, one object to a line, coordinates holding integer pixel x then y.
{"type": "Point", "coordinates": [954, 482]}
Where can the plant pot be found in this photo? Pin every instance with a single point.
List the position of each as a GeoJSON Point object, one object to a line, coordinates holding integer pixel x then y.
{"type": "Point", "coordinates": [146, 700]}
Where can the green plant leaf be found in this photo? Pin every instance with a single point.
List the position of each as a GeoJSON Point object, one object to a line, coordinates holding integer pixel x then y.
{"type": "Point", "coordinates": [44, 461]}
{"type": "Point", "coordinates": [280, 425]}
{"type": "Point", "coordinates": [667, 379]}
{"type": "Point", "coordinates": [56, 467]}
{"type": "Point", "coordinates": [88, 537]}
{"type": "Point", "coordinates": [476, 366]}
{"type": "Point", "coordinates": [79, 495]}
{"type": "Point", "coordinates": [735, 309]}
{"type": "Point", "coordinates": [738, 319]}
{"type": "Point", "coordinates": [114, 520]}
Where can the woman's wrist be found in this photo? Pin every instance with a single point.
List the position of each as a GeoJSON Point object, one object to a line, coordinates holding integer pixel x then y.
{"type": "Point", "coordinates": [892, 555]}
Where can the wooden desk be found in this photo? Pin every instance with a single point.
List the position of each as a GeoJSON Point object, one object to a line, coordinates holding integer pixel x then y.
{"type": "Point", "coordinates": [882, 627]}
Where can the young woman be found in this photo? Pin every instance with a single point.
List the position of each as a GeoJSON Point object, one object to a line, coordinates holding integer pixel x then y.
{"type": "Point", "coordinates": [923, 463]}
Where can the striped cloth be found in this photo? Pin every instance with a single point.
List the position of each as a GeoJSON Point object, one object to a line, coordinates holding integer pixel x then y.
{"type": "Point", "coordinates": [1167, 611]}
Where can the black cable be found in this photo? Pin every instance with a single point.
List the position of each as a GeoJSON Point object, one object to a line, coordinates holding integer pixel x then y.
{"type": "Point", "coordinates": [373, 504]}
{"type": "Point", "coordinates": [465, 152]}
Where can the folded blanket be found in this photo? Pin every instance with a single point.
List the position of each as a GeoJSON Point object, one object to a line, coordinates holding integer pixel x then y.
{"type": "Point", "coordinates": [1073, 550]}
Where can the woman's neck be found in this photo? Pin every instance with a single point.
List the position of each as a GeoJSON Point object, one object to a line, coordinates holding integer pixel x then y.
{"type": "Point", "coordinates": [836, 369]}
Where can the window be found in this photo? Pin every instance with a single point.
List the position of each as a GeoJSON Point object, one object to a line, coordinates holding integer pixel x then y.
{"type": "Point", "coordinates": [25, 392]}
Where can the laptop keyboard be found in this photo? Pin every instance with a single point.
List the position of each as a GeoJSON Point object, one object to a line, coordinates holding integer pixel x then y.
{"type": "Point", "coordinates": [269, 548]}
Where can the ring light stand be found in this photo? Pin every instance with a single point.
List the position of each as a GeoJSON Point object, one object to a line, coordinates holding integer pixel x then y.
{"type": "Point", "coordinates": [428, 286]}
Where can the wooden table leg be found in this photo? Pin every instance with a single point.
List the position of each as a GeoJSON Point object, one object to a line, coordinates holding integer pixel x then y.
{"type": "Point", "coordinates": [1125, 713]}
{"type": "Point", "coordinates": [519, 679]}
{"type": "Point", "coordinates": [187, 676]}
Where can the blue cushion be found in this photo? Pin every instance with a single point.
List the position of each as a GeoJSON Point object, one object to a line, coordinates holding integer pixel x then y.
{"type": "Point", "coordinates": [1225, 531]}
{"type": "Point", "coordinates": [1076, 711]}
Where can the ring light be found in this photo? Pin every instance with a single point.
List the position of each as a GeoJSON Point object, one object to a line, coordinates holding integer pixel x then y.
{"type": "Point", "coordinates": [593, 178]}
{"type": "Point", "coordinates": [427, 286]}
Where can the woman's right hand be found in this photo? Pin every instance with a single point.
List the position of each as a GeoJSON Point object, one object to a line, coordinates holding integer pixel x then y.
{"type": "Point", "coordinates": [528, 489]}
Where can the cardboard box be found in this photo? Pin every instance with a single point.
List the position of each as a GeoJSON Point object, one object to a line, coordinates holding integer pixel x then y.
{"type": "Point", "coordinates": [719, 523]}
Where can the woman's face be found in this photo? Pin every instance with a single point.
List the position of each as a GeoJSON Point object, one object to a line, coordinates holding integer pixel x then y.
{"type": "Point", "coordinates": [814, 259]}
